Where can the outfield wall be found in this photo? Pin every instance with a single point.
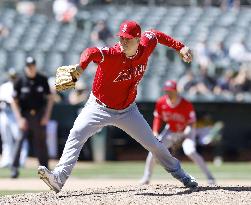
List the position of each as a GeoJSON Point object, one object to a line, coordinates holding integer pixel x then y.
{"type": "Point", "coordinates": [236, 135]}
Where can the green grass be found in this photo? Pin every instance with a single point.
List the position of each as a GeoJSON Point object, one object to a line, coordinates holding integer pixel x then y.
{"type": "Point", "coordinates": [4, 193]}
{"type": "Point", "coordinates": [135, 169]}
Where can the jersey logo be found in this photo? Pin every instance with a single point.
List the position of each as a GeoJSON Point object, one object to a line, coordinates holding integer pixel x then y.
{"type": "Point", "coordinates": [130, 73]}
{"type": "Point", "coordinates": [25, 89]}
{"type": "Point", "coordinates": [124, 28]}
{"type": "Point", "coordinates": [40, 89]}
{"type": "Point", "coordinates": [169, 84]}
{"type": "Point", "coordinates": [149, 36]}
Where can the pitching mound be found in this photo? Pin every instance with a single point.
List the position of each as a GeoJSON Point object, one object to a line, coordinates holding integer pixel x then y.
{"type": "Point", "coordinates": [149, 194]}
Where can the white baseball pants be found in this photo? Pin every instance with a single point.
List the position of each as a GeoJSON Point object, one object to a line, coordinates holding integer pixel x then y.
{"type": "Point", "coordinates": [94, 117]}
{"type": "Point", "coordinates": [9, 133]}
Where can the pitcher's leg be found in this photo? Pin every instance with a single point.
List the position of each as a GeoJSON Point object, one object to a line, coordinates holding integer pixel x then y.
{"type": "Point", "coordinates": [136, 126]}
{"type": "Point", "coordinates": [150, 161]}
{"type": "Point", "coordinates": [88, 122]}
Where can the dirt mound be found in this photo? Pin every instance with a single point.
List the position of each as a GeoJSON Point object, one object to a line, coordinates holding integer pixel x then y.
{"type": "Point", "coordinates": [149, 194]}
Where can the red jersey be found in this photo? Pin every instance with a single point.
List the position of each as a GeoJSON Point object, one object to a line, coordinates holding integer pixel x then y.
{"type": "Point", "coordinates": [117, 76]}
{"type": "Point", "coordinates": [177, 117]}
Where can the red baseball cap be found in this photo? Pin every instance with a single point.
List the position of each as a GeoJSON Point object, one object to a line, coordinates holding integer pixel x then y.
{"type": "Point", "coordinates": [129, 29]}
{"type": "Point", "coordinates": [170, 85]}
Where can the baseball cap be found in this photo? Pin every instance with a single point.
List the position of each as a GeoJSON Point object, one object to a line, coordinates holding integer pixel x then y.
{"type": "Point", "coordinates": [170, 85]}
{"type": "Point", "coordinates": [30, 61]}
{"type": "Point", "coordinates": [129, 29]}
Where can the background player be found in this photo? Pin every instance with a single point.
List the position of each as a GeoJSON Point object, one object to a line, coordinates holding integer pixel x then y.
{"type": "Point", "coordinates": [8, 125]}
{"type": "Point", "coordinates": [112, 101]}
{"type": "Point", "coordinates": [180, 119]}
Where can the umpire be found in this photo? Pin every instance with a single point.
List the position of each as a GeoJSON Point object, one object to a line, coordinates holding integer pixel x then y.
{"type": "Point", "coordinates": [32, 107]}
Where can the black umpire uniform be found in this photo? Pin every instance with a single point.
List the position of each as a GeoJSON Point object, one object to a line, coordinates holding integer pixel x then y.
{"type": "Point", "coordinates": [32, 107]}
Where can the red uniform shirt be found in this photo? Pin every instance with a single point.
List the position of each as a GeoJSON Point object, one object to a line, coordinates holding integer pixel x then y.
{"type": "Point", "coordinates": [117, 77]}
{"type": "Point", "coordinates": [177, 117]}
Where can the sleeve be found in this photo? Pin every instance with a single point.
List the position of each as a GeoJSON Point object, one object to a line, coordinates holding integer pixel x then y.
{"type": "Point", "coordinates": [167, 40]}
{"type": "Point", "coordinates": [157, 121]}
{"type": "Point", "coordinates": [91, 54]}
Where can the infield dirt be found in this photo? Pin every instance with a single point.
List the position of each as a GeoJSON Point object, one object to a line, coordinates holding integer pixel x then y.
{"type": "Point", "coordinates": [156, 194]}
{"type": "Point", "coordinates": [100, 191]}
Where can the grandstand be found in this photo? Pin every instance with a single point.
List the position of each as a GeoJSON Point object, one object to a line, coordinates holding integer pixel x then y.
{"type": "Point", "coordinates": [53, 43]}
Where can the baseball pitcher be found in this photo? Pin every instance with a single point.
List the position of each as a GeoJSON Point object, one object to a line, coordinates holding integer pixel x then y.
{"type": "Point", "coordinates": [179, 116]}
{"type": "Point", "coordinates": [112, 102]}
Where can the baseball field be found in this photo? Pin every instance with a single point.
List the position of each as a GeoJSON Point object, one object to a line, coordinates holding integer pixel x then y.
{"type": "Point", "coordinates": [117, 183]}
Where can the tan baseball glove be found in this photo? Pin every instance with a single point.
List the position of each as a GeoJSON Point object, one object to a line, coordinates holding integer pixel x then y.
{"type": "Point", "coordinates": [67, 76]}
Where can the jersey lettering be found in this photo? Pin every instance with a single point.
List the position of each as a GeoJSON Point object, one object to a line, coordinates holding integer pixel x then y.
{"type": "Point", "coordinates": [167, 116]}
{"type": "Point", "coordinates": [130, 73]}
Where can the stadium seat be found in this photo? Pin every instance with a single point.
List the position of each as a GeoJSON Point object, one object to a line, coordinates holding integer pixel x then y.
{"type": "Point", "coordinates": [3, 60]}
{"type": "Point", "coordinates": [16, 59]}
{"type": "Point", "coordinates": [54, 44]}
{"type": "Point", "coordinates": [52, 61]}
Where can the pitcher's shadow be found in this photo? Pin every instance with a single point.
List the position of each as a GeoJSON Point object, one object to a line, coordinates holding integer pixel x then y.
{"type": "Point", "coordinates": [199, 189]}
{"type": "Point", "coordinates": [146, 193]}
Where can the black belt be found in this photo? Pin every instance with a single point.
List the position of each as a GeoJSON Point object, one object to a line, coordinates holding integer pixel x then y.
{"type": "Point", "coordinates": [104, 105]}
